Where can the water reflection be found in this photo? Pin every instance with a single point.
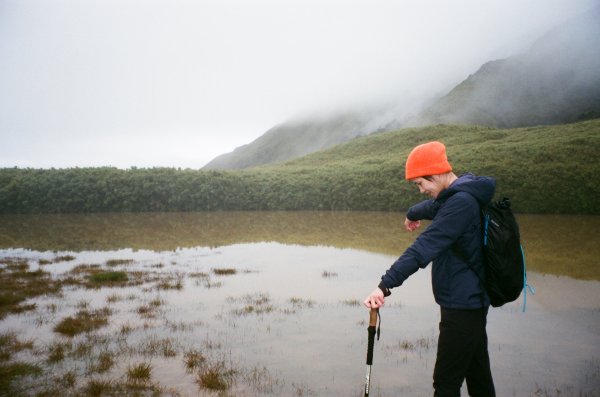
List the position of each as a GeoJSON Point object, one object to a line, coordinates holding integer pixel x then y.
{"type": "Point", "coordinates": [554, 244]}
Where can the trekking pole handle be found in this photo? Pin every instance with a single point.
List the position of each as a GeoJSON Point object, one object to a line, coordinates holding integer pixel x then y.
{"type": "Point", "coordinates": [373, 318]}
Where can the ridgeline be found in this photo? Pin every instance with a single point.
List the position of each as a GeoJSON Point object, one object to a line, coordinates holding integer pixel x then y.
{"type": "Point", "coordinates": [546, 169]}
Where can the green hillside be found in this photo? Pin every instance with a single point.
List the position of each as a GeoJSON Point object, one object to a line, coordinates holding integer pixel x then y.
{"type": "Point", "coordinates": [547, 169]}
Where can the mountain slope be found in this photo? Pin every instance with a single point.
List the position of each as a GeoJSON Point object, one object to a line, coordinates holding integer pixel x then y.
{"type": "Point", "coordinates": [296, 138]}
{"type": "Point", "coordinates": [556, 81]}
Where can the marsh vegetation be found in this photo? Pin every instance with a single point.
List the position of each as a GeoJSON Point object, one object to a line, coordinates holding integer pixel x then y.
{"type": "Point", "coordinates": [264, 319]}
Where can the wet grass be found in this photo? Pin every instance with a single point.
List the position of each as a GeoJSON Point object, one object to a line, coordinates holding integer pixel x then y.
{"type": "Point", "coordinates": [216, 376]}
{"type": "Point", "coordinates": [171, 281]}
{"type": "Point", "coordinates": [262, 382]}
{"type": "Point", "coordinates": [57, 351]}
{"type": "Point", "coordinates": [150, 309]}
{"type": "Point", "coordinates": [67, 381]}
{"type": "Point", "coordinates": [19, 309]}
{"type": "Point", "coordinates": [125, 329]}
{"type": "Point", "coordinates": [301, 303]}
{"type": "Point", "coordinates": [106, 360]}
{"type": "Point", "coordinates": [193, 359]}
{"type": "Point", "coordinates": [298, 304]}
{"type": "Point", "coordinates": [258, 303]}
{"type": "Point", "coordinates": [421, 343]}
{"type": "Point", "coordinates": [57, 259]}
{"type": "Point", "coordinates": [417, 346]}
{"type": "Point", "coordinates": [200, 275]}
{"type": "Point", "coordinates": [104, 387]}
{"type": "Point", "coordinates": [11, 372]}
{"type": "Point", "coordinates": [18, 283]}
{"type": "Point", "coordinates": [83, 321]}
{"type": "Point", "coordinates": [139, 374]}
{"type": "Point", "coordinates": [225, 271]}
{"type": "Point", "coordinates": [351, 302]}
{"type": "Point", "coordinates": [113, 298]}
{"type": "Point", "coordinates": [85, 269]}
{"type": "Point", "coordinates": [95, 276]}
{"type": "Point", "coordinates": [109, 278]}
{"type": "Point", "coordinates": [11, 344]}
{"type": "Point", "coordinates": [119, 262]}
{"type": "Point", "coordinates": [179, 326]}
{"type": "Point", "coordinates": [208, 284]}
{"type": "Point", "coordinates": [155, 346]}
{"type": "Point", "coordinates": [86, 362]}
{"type": "Point", "coordinates": [98, 387]}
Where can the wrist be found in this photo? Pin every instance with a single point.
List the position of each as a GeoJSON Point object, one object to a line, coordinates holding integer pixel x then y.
{"type": "Point", "coordinates": [386, 291]}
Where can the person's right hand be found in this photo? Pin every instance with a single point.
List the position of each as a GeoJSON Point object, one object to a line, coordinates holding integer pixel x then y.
{"type": "Point", "coordinates": [411, 225]}
{"type": "Point", "coordinates": [375, 300]}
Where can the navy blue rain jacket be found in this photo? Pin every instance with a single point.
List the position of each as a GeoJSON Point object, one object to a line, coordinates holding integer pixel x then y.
{"type": "Point", "coordinates": [454, 234]}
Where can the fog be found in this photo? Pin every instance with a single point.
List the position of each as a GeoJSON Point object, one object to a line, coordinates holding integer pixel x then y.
{"type": "Point", "coordinates": [176, 83]}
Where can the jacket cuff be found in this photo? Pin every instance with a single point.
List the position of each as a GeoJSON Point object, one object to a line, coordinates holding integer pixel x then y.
{"type": "Point", "coordinates": [386, 291]}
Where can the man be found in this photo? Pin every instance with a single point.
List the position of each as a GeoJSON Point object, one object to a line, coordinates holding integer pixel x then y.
{"type": "Point", "coordinates": [453, 237]}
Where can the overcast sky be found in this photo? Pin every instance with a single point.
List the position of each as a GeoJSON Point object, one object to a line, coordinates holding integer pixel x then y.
{"type": "Point", "coordinates": [177, 82]}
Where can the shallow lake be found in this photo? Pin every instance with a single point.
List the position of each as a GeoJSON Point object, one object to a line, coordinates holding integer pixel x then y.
{"type": "Point", "coordinates": [268, 304]}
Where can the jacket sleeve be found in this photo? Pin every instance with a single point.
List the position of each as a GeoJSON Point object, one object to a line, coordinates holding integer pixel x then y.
{"type": "Point", "coordinates": [423, 210]}
{"type": "Point", "coordinates": [452, 219]}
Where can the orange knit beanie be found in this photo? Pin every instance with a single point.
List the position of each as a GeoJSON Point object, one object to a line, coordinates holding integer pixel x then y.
{"type": "Point", "coordinates": [427, 159]}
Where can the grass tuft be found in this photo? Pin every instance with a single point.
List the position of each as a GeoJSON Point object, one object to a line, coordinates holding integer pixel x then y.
{"type": "Point", "coordinates": [253, 304]}
{"type": "Point", "coordinates": [63, 258]}
{"type": "Point", "coordinates": [193, 359]}
{"type": "Point", "coordinates": [215, 377]}
{"type": "Point", "coordinates": [139, 374]}
{"type": "Point", "coordinates": [105, 362]}
{"type": "Point", "coordinates": [154, 346]}
{"type": "Point", "coordinates": [119, 262]}
{"type": "Point", "coordinates": [58, 351]}
{"type": "Point", "coordinates": [351, 302]}
{"type": "Point", "coordinates": [299, 303]}
{"type": "Point", "coordinates": [225, 271]}
{"type": "Point", "coordinates": [98, 388]}
{"type": "Point", "coordinates": [83, 321]}
{"type": "Point", "coordinates": [108, 277]}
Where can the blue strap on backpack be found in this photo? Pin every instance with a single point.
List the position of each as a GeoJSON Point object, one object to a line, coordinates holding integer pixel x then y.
{"type": "Point", "coordinates": [525, 285]}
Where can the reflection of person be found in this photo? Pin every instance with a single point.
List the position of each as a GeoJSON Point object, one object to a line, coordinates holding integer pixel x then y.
{"type": "Point", "coordinates": [454, 233]}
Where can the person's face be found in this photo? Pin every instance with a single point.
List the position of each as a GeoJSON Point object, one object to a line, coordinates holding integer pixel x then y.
{"type": "Point", "coordinates": [432, 186]}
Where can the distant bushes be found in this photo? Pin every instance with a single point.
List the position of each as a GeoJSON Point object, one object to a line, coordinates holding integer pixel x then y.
{"type": "Point", "coordinates": [163, 189]}
{"type": "Point", "coordinates": [543, 169]}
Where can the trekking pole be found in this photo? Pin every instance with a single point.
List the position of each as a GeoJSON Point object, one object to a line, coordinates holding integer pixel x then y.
{"type": "Point", "coordinates": [371, 330]}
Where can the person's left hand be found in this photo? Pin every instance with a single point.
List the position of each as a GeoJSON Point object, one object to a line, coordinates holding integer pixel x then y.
{"type": "Point", "coordinates": [411, 226]}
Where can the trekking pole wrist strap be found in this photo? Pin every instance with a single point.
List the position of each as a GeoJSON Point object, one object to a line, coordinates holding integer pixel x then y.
{"type": "Point", "coordinates": [386, 291]}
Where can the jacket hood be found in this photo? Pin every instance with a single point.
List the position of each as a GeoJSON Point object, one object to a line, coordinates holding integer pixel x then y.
{"type": "Point", "coordinates": [480, 187]}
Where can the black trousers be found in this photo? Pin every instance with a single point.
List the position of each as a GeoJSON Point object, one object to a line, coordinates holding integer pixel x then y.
{"type": "Point", "coordinates": [463, 354]}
